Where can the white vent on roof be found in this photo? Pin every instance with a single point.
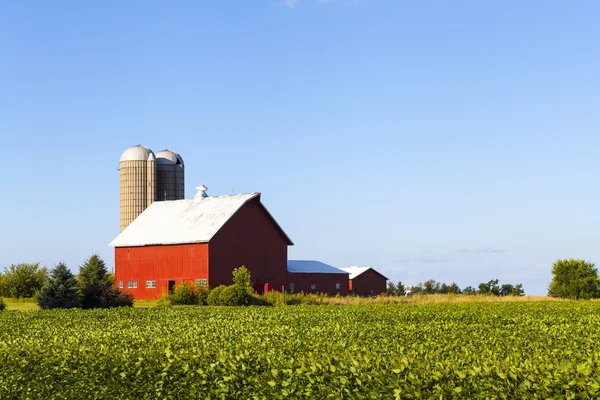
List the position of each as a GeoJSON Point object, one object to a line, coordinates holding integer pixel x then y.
{"type": "Point", "coordinates": [201, 192]}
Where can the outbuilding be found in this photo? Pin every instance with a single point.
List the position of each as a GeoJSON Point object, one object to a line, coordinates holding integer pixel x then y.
{"type": "Point", "coordinates": [365, 281]}
{"type": "Point", "coordinates": [316, 277]}
{"type": "Point", "coordinates": [200, 241]}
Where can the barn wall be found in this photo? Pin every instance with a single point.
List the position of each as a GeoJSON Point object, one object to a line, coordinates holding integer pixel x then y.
{"type": "Point", "coordinates": [369, 283]}
{"type": "Point", "coordinates": [186, 262]}
{"type": "Point", "coordinates": [249, 238]}
{"type": "Point", "coordinates": [326, 283]}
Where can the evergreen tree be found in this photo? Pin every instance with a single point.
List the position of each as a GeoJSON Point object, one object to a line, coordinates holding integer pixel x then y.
{"type": "Point", "coordinates": [96, 289]}
{"type": "Point", "coordinates": [60, 290]}
{"type": "Point", "coordinates": [400, 289]}
{"type": "Point", "coordinates": [391, 288]}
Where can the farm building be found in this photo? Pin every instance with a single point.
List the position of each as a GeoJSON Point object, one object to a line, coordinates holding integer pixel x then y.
{"type": "Point", "coordinates": [365, 281]}
{"type": "Point", "coordinates": [200, 241]}
{"type": "Point", "coordinates": [316, 277]}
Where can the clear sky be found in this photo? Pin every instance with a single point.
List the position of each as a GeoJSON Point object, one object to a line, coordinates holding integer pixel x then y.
{"type": "Point", "coordinates": [456, 141]}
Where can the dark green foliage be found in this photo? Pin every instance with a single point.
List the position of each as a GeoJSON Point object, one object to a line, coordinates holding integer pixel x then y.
{"type": "Point", "coordinates": [2, 304]}
{"type": "Point", "coordinates": [92, 273]}
{"type": "Point", "coordinates": [391, 288]}
{"type": "Point", "coordinates": [24, 280]}
{"type": "Point", "coordinates": [184, 294]}
{"type": "Point", "coordinates": [60, 290]}
{"type": "Point", "coordinates": [431, 287]}
{"type": "Point", "coordinates": [235, 295]}
{"type": "Point", "coordinates": [506, 289]}
{"type": "Point", "coordinates": [214, 297]}
{"type": "Point", "coordinates": [400, 289]}
{"type": "Point", "coordinates": [241, 277]}
{"type": "Point", "coordinates": [518, 290]}
{"type": "Point", "coordinates": [96, 289]}
{"type": "Point", "coordinates": [574, 279]}
{"type": "Point", "coordinates": [469, 290]}
{"type": "Point", "coordinates": [491, 288]}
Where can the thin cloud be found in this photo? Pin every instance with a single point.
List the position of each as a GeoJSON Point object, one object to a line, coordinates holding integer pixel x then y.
{"type": "Point", "coordinates": [290, 3]}
{"type": "Point", "coordinates": [483, 250]}
{"type": "Point", "coordinates": [425, 258]}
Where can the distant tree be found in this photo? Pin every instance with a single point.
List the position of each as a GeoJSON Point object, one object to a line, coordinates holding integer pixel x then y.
{"type": "Point", "coordinates": [24, 280]}
{"type": "Point", "coordinates": [506, 289]}
{"type": "Point", "coordinates": [3, 289]}
{"type": "Point", "coordinates": [400, 291]}
{"type": "Point", "coordinates": [469, 290]}
{"type": "Point", "coordinates": [491, 287]}
{"type": "Point", "coordinates": [418, 289]}
{"type": "Point", "coordinates": [95, 287]}
{"type": "Point", "coordinates": [391, 288]}
{"type": "Point", "coordinates": [453, 288]}
{"type": "Point", "coordinates": [431, 287]}
{"type": "Point", "coordinates": [574, 279]}
{"type": "Point", "coordinates": [444, 289]}
{"type": "Point", "coordinates": [518, 290]}
{"type": "Point", "coordinates": [60, 290]}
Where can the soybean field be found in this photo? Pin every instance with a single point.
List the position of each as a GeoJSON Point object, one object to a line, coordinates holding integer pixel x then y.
{"type": "Point", "coordinates": [472, 350]}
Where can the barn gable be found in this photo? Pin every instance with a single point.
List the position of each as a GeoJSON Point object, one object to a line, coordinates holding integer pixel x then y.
{"type": "Point", "coordinates": [184, 221]}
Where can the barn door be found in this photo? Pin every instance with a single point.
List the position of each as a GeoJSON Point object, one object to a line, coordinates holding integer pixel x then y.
{"type": "Point", "coordinates": [171, 287]}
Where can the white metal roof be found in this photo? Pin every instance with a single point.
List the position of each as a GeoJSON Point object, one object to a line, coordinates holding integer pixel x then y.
{"type": "Point", "coordinates": [182, 221]}
{"type": "Point", "coordinates": [168, 157]}
{"type": "Point", "coordinates": [356, 271]}
{"type": "Point", "coordinates": [137, 153]}
{"type": "Point", "coordinates": [312, 267]}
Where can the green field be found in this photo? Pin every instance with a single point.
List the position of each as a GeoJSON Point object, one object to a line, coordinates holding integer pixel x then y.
{"type": "Point", "coordinates": [468, 350]}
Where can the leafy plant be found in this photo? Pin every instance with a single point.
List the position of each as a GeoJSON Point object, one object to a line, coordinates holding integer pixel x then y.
{"type": "Point", "coordinates": [23, 280]}
{"type": "Point", "coordinates": [574, 279]}
{"type": "Point", "coordinates": [2, 304]}
{"type": "Point", "coordinates": [185, 294]}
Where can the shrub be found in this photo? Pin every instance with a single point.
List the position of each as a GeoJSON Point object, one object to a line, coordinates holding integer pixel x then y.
{"type": "Point", "coordinates": [274, 298]}
{"type": "Point", "coordinates": [235, 295]}
{"type": "Point", "coordinates": [60, 290]}
{"type": "Point", "coordinates": [184, 293]}
{"type": "Point", "coordinates": [24, 280]}
{"type": "Point", "coordinates": [164, 301]}
{"type": "Point", "coordinates": [214, 296]}
{"type": "Point", "coordinates": [2, 304]}
{"type": "Point", "coordinates": [202, 294]}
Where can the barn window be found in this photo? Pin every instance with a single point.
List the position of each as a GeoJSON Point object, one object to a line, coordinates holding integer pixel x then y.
{"type": "Point", "coordinates": [120, 284]}
{"type": "Point", "coordinates": [132, 284]}
{"type": "Point", "coordinates": [201, 282]}
{"type": "Point", "coordinates": [291, 285]}
{"type": "Point", "coordinates": [151, 284]}
{"type": "Point", "coordinates": [313, 286]}
{"type": "Point", "coordinates": [338, 286]}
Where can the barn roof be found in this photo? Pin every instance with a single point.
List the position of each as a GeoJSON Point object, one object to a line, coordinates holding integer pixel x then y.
{"type": "Point", "coordinates": [184, 221]}
{"type": "Point", "coordinates": [312, 267]}
{"type": "Point", "coordinates": [356, 271]}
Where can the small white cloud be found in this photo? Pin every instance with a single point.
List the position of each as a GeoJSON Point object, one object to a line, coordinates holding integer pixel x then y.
{"type": "Point", "coordinates": [290, 3]}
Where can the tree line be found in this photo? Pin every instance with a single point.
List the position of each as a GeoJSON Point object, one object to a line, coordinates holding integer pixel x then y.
{"type": "Point", "coordinates": [431, 286]}
{"type": "Point", "coordinates": [92, 287]}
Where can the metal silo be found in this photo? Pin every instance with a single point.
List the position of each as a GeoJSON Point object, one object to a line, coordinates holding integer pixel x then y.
{"type": "Point", "coordinates": [169, 176]}
{"type": "Point", "coordinates": [137, 168]}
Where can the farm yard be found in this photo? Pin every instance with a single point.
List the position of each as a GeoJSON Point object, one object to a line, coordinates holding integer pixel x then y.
{"type": "Point", "coordinates": [450, 350]}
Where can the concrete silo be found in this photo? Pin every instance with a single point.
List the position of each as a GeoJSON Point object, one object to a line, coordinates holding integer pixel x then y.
{"type": "Point", "coordinates": [137, 168]}
{"type": "Point", "coordinates": [169, 176]}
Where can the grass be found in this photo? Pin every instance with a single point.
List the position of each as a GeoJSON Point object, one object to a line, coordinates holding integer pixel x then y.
{"type": "Point", "coordinates": [145, 303]}
{"type": "Point", "coordinates": [21, 304]}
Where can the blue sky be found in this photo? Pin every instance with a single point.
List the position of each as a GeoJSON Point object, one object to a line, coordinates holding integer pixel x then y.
{"type": "Point", "coordinates": [456, 141]}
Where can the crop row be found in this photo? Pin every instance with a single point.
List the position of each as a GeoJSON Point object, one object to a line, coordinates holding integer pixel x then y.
{"type": "Point", "coordinates": [472, 350]}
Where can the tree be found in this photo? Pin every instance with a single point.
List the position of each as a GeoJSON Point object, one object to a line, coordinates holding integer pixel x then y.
{"type": "Point", "coordinates": [96, 289]}
{"type": "Point", "coordinates": [469, 290]}
{"type": "Point", "coordinates": [3, 289]}
{"type": "Point", "coordinates": [391, 288]}
{"type": "Point", "coordinates": [518, 290]}
{"type": "Point", "coordinates": [453, 288]}
{"type": "Point", "coordinates": [574, 279]}
{"type": "Point", "coordinates": [506, 289]}
{"type": "Point", "coordinates": [400, 289]}
{"type": "Point", "coordinates": [431, 287]}
{"type": "Point", "coordinates": [24, 280]}
{"type": "Point", "coordinates": [60, 290]}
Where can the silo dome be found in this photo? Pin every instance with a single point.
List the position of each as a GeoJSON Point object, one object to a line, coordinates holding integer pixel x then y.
{"type": "Point", "coordinates": [168, 157]}
{"type": "Point", "coordinates": [137, 153]}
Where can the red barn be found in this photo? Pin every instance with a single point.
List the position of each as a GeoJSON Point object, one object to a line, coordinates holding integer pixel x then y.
{"type": "Point", "coordinates": [316, 277]}
{"type": "Point", "coordinates": [365, 281]}
{"type": "Point", "coordinates": [200, 241]}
